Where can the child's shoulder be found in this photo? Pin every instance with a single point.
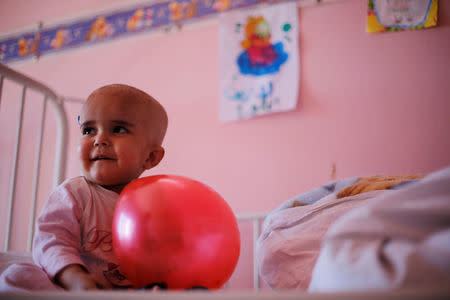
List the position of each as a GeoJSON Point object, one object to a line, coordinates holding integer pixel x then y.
{"type": "Point", "coordinates": [74, 182]}
{"type": "Point", "coordinates": [76, 187]}
{"type": "Point", "coordinates": [80, 187]}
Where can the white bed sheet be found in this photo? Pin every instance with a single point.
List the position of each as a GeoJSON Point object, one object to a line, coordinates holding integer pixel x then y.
{"type": "Point", "coordinates": [396, 240]}
{"type": "Point", "coordinates": [12, 257]}
{"type": "Point", "coordinates": [231, 295]}
{"type": "Point", "coordinates": [379, 240]}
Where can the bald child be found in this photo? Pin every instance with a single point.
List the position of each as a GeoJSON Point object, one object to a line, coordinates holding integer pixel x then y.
{"type": "Point", "coordinates": [122, 129]}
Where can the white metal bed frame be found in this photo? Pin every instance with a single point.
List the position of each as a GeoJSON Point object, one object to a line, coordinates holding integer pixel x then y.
{"type": "Point", "coordinates": [61, 142]}
{"type": "Point", "coordinates": [60, 160]}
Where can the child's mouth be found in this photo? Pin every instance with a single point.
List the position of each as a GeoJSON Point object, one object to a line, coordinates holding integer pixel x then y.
{"type": "Point", "coordinates": [101, 158]}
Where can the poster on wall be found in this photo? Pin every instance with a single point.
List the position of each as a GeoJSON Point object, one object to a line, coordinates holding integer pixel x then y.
{"type": "Point", "coordinates": [400, 15]}
{"type": "Point", "coordinates": [259, 61]}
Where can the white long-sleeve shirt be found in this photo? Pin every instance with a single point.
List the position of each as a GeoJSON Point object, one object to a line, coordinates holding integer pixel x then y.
{"type": "Point", "coordinates": [75, 227]}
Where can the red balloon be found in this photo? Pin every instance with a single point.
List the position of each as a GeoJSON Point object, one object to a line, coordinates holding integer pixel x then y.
{"type": "Point", "coordinates": [174, 230]}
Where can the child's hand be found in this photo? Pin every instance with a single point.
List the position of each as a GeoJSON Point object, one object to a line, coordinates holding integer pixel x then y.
{"type": "Point", "coordinates": [74, 277]}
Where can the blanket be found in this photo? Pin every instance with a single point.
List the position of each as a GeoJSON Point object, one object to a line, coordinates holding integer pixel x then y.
{"type": "Point", "coordinates": [399, 240]}
{"type": "Point", "coordinates": [293, 234]}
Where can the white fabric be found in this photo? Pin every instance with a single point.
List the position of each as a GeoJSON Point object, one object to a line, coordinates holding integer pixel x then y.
{"type": "Point", "coordinates": [291, 238]}
{"type": "Point", "coordinates": [397, 240]}
{"type": "Point", "coordinates": [12, 257]}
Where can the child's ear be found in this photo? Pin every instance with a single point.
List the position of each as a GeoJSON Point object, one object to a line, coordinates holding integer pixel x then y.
{"type": "Point", "coordinates": [155, 156]}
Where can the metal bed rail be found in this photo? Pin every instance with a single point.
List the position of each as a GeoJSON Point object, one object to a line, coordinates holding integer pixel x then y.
{"type": "Point", "coordinates": [256, 219]}
{"type": "Point", "coordinates": [61, 142]}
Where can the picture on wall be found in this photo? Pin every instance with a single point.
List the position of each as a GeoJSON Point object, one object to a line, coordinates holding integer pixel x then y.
{"type": "Point", "coordinates": [400, 15]}
{"type": "Point", "coordinates": [259, 61]}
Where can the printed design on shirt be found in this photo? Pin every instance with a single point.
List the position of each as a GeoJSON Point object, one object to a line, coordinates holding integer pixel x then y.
{"type": "Point", "coordinates": [97, 239]}
{"type": "Point", "coordinates": [114, 276]}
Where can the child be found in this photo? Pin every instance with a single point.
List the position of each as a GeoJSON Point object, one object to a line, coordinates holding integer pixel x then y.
{"type": "Point", "coordinates": [122, 129]}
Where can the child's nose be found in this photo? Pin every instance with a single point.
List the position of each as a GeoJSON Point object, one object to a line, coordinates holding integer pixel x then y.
{"type": "Point", "coordinates": [101, 139]}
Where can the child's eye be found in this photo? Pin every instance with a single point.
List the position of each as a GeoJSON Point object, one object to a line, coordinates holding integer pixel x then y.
{"type": "Point", "coordinates": [120, 129]}
{"type": "Point", "coordinates": [87, 130]}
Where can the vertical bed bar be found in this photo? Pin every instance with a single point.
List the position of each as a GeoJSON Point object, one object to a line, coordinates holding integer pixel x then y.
{"type": "Point", "coordinates": [61, 145]}
{"type": "Point", "coordinates": [12, 188]}
{"type": "Point", "coordinates": [37, 168]}
{"type": "Point", "coordinates": [1, 88]}
{"type": "Point", "coordinates": [256, 285]}
{"type": "Point", "coordinates": [255, 218]}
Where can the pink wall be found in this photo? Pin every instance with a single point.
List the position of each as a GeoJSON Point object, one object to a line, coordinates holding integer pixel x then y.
{"type": "Point", "coordinates": [368, 103]}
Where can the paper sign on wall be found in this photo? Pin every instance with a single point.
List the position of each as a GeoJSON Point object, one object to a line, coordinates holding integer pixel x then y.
{"type": "Point", "coordinates": [259, 61]}
{"type": "Point", "coordinates": [400, 15]}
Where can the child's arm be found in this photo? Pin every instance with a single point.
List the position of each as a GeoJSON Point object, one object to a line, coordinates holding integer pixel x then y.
{"type": "Point", "coordinates": [57, 241]}
{"type": "Point", "coordinates": [75, 277]}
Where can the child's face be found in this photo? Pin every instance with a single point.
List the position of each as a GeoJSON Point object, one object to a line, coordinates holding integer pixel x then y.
{"type": "Point", "coordinates": [115, 145]}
